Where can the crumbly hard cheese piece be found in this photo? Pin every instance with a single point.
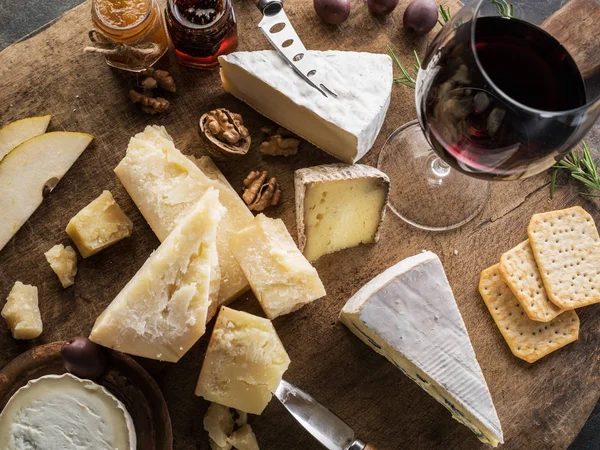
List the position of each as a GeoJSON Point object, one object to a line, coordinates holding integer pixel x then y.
{"type": "Point", "coordinates": [164, 185]}
{"type": "Point", "coordinates": [339, 206]}
{"type": "Point", "coordinates": [346, 126]}
{"type": "Point", "coordinates": [218, 422]}
{"type": "Point", "coordinates": [408, 314]}
{"type": "Point", "coordinates": [528, 339]}
{"type": "Point", "coordinates": [99, 225]}
{"type": "Point", "coordinates": [520, 272]}
{"type": "Point", "coordinates": [566, 247]}
{"type": "Point", "coordinates": [63, 261]}
{"type": "Point", "coordinates": [281, 278]}
{"type": "Point", "coordinates": [162, 311]}
{"type": "Point", "coordinates": [22, 313]}
{"type": "Point", "coordinates": [244, 439]}
{"type": "Point", "coordinates": [244, 362]}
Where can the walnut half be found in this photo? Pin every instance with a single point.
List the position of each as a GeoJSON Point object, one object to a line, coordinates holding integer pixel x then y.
{"type": "Point", "coordinates": [260, 193]}
{"type": "Point", "coordinates": [279, 142]}
{"type": "Point", "coordinates": [225, 134]}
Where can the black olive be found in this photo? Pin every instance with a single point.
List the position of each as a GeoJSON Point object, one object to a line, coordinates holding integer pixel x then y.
{"type": "Point", "coordinates": [83, 358]}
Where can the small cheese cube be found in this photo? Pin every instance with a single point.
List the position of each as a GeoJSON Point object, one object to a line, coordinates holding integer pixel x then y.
{"type": "Point", "coordinates": [63, 261]}
{"type": "Point", "coordinates": [339, 206]}
{"type": "Point", "coordinates": [244, 362]}
{"type": "Point", "coordinates": [99, 225]}
{"type": "Point", "coordinates": [244, 439]}
{"type": "Point", "coordinates": [280, 277]}
{"type": "Point", "coordinates": [22, 313]}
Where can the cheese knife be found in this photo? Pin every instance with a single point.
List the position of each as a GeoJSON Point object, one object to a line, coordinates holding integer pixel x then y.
{"type": "Point", "coordinates": [276, 26]}
{"type": "Point", "coordinates": [331, 431]}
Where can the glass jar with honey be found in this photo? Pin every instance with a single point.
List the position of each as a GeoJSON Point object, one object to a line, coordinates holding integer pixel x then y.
{"type": "Point", "coordinates": [129, 33]}
{"type": "Point", "coordinates": [201, 30]}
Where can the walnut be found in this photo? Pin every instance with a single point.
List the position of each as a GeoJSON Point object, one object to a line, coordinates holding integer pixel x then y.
{"type": "Point", "coordinates": [225, 134]}
{"type": "Point", "coordinates": [150, 104]}
{"type": "Point", "coordinates": [153, 79]}
{"type": "Point", "coordinates": [260, 193]}
{"type": "Point", "coordinates": [279, 142]}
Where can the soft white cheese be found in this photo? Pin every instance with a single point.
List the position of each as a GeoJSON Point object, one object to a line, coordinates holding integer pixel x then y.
{"type": "Point", "coordinates": [408, 314]}
{"type": "Point", "coordinates": [346, 126]}
{"type": "Point", "coordinates": [60, 412]}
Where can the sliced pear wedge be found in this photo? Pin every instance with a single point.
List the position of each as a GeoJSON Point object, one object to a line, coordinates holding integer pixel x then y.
{"type": "Point", "coordinates": [30, 172]}
{"type": "Point", "coordinates": [19, 131]}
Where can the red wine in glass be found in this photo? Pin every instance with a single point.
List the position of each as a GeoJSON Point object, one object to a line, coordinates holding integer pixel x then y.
{"type": "Point", "coordinates": [491, 113]}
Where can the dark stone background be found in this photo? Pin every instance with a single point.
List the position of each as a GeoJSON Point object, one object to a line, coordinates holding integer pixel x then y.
{"type": "Point", "coordinates": [20, 18]}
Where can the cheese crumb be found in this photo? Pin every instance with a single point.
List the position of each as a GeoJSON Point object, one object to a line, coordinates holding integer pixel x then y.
{"type": "Point", "coordinates": [22, 313]}
{"type": "Point", "coordinates": [63, 261]}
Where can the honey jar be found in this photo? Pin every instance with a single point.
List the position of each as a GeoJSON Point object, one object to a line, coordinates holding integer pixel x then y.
{"type": "Point", "coordinates": [129, 33]}
{"type": "Point", "coordinates": [201, 30]}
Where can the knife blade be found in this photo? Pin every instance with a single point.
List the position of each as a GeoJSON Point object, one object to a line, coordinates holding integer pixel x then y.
{"type": "Point", "coordinates": [325, 426]}
{"type": "Point", "coordinates": [279, 31]}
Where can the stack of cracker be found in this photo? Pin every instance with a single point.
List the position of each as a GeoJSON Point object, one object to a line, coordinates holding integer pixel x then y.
{"type": "Point", "coordinates": [533, 291]}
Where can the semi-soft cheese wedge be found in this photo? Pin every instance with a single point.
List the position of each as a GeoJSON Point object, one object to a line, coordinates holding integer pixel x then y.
{"type": "Point", "coordinates": [346, 126]}
{"type": "Point", "coordinates": [281, 278]}
{"type": "Point", "coordinates": [162, 311]}
{"type": "Point", "coordinates": [63, 412]}
{"type": "Point", "coordinates": [99, 225]}
{"type": "Point", "coordinates": [30, 172]}
{"type": "Point", "coordinates": [244, 362]}
{"type": "Point", "coordinates": [164, 184]}
{"type": "Point", "coordinates": [339, 206]}
{"type": "Point", "coordinates": [408, 314]}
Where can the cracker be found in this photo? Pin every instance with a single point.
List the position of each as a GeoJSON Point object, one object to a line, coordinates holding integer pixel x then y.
{"type": "Point", "coordinates": [521, 274]}
{"type": "Point", "coordinates": [527, 339]}
{"type": "Point", "coordinates": [566, 247]}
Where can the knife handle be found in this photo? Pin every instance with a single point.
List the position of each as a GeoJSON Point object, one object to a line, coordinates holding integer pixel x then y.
{"type": "Point", "coordinates": [360, 445]}
{"type": "Point", "coordinates": [271, 6]}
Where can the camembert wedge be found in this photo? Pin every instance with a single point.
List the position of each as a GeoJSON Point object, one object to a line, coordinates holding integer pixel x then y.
{"type": "Point", "coordinates": [162, 311]}
{"type": "Point", "coordinates": [244, 362]}
{"type": "Point", "coordinates": [344, 126]}
{"type": "Point", "coordinates": [165, 184]}
{"type": "Point", "coordinates": [339, 206]}
{"type": "Point", "coordinates": [408, 314]}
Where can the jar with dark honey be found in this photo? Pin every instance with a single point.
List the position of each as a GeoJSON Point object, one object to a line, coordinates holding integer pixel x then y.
{"type": "Point", "coordinates": [129, 33]}
{"type": "Point", "coordinates": [201, 30]}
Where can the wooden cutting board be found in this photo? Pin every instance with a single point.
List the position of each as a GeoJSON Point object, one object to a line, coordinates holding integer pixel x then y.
{"type": "Point", "coordinates": [541, 406]}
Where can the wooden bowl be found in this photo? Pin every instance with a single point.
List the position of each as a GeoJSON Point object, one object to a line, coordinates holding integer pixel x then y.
{"type": "Point", "coordinates": [124, 378]}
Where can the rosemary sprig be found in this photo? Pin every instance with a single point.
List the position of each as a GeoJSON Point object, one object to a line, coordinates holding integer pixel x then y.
{"type": "Point", "coordinates": [407, 79]}
{"type": "Point", "coordinates": [445, 15]}
{"type": "Point", "coordinates": [505, 9]}
{"type": "Point", "coordinates": [581, 165]}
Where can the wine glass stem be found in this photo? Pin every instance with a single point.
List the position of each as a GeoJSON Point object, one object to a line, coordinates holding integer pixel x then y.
{"type": "Point", "coordinates": [439, 167]}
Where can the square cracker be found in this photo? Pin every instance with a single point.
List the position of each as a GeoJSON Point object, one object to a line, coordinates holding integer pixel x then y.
{"type": "Point", "coordinates": [527, 339]}
{"type": "Point", "coordinates": [566, 247]}
{"type": "Point", "coordinates": [521, 274]}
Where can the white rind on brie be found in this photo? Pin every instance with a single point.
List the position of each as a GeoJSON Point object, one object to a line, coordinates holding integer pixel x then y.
{"type": "Point", "coordinates": [346, 126]}
{"type": "Point", "coordinates": [408, 314]}
{"type": "Point", "coordinates": [59, 412]}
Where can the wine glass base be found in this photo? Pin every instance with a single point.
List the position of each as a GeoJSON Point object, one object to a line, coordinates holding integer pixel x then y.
{"type": "Point", "coordinates": [424, 191]}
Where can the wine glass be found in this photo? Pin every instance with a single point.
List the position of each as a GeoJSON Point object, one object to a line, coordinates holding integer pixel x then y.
{"type": "Point", "coordinates": [503, 93]}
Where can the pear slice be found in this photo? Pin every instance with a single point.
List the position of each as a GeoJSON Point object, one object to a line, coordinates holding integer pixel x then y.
{"type": "Point", "coordinates": [30, 172]}
{"type": "Point", "coordinates": [19, 131]}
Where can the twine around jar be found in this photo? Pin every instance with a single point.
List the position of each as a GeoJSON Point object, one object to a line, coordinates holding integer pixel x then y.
{"type": "Point", "coordinates": [106, 46]}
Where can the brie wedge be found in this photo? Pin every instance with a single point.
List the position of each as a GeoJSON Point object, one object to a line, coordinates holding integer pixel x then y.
{"type": "Point", "coordinates": [408, 314]}
{"type": "Point", "coordinates": [346, 126]}
{"type": "Point", "coordinates": [162, 311]}
{"type": "Point", "coordinates": [339, 206]}
{"type": "Point", "coordinates": [63, 412]}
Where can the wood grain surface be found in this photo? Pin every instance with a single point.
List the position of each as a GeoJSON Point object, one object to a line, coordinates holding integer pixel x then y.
{"type": "Point", "coordinates": [541, 406]}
